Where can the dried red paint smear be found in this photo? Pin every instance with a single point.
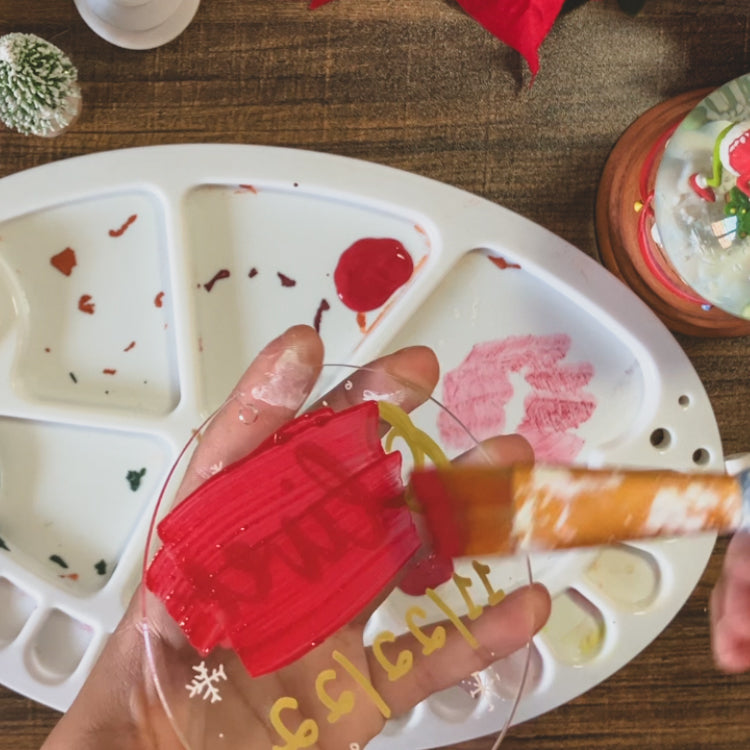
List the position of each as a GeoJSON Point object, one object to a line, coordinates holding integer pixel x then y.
{"type": "Point", "coordinates": [65, 261]}
{"type": "Point", "coordinates": [312, 527]}
{"type": "Point", "coordinates": [501, 262]}
{"type": "Point", "coordinates": [322, 307]}
{"type": "Point", "coordinates": [159, 299]}
{"type": "Point", "coordinates": [109, 371]}
{"type": "Point", "coordinates": [248, 189]}
{"type": "Point", "coordinates": [285, 280]}
{"type": "Point", "coordinates": [479, 389]}
{"type": "Point", "coordinates": [218, 276]}
{"type": "Point", "coordinates": [121, 230]}
{"type": "Point", "coordinates": [85, 304]}
{"type": "Point", "coordinates": [370, 271]}
{"type": "Point", "coordinates": [129, 346]}
{"type": "Point", "coordinates": [252, 272]}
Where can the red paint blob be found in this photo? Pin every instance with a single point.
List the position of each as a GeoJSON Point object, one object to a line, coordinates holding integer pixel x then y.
{"type": "Point", "coordinates": [129, 346]}
{"type": "Point", "coordinates": [119, 232]}
{"type": "Point", "coordinates": [501, 263]}
{"type": "Point", "coordinates": [159, 299]}
{"type": "Point", "coordinates": [85, 304]}
{"type": "Point", "coordinates": [65, 261]}
{"type": "Point", "coordinates": [252, 272]}
{"type": "Point", "coordinates": [223, 274]}
{"type": "Point", "coordinates": [286, 280]}
{"type": "Point", "coordinates": [109, 371]}
{"type": "Point", "coordinates": [313, 526]}
{"type": "Point", "coordinates": [370, 271]}
{"type": "Point", "coordinates": [427, 573]}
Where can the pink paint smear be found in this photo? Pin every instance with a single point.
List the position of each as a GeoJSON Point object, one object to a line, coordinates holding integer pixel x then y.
{"type": "Point", "coordinates": [479, 389]}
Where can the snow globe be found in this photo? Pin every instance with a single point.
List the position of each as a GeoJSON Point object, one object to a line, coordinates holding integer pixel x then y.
{"type": "Point", "coordinates": [672, 210]}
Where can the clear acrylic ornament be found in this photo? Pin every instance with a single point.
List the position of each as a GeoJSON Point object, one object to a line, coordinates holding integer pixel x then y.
{"type": "Point", "coordinates": [324, 623]}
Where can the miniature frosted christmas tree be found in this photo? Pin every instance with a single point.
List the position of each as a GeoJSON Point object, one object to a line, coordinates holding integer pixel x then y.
{"type": "Point", "coordinates": [39, 93]}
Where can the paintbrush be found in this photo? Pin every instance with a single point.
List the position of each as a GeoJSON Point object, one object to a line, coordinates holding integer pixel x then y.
{"type": "Point", "coordinates": [472, 510]}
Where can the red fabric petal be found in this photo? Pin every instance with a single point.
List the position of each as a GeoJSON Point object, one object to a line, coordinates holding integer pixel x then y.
{"type": "Point", "coordinates": [521, 24]}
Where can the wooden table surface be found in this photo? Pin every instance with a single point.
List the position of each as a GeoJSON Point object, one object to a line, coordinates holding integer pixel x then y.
{"type": "Point", "coordinates": [420, 86]}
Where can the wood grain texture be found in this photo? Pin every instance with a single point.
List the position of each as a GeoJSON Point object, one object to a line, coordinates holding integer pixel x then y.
{"type": "Point", "coordinates": [420, 86]}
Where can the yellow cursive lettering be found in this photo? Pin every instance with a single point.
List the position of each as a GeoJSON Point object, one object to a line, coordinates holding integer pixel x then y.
{"type": "Point", "coordinates": [404, 660]}
{"type": "Point", "coordinates": [454, 618]}
{"type": "Point", "coordinates": [431, 642]}
{"type": "Point", "coordinates": [338, 707]}
{"type": "Point", "coordinates": [464, 584]}
{"type": "Point", "coordinates": [306, 734]}
{"type": "Point", "coordinates": [483, 571]}
{"type": "Point", "coordinates": [364, 683]}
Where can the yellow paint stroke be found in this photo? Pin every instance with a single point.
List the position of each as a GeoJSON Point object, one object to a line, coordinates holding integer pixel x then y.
{"type": "Point", "coordinates": [337, 707]}
{"type": "Point", "coordinates": [364, 682]}
{"type": "Point", "coordinates": [453, 617]}
{"type": "Point", "coordinates": [404, 660]}
{"type": "Point", "coordinates": [483, 571]}
{"type": "Point", "coordinates": [306, 734]}
{"type": "Point", "coordinates": [420, 443]}
{"type": "Point", "coordinates": [463, 584]}
{"type": "Point", "coordinates": [431, 642]}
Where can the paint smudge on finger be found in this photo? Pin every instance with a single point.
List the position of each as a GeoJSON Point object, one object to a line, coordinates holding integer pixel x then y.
{"type": "Point", "coordinates": [478, 391]}
{"type": "Point", "coordinates": [287, 384]}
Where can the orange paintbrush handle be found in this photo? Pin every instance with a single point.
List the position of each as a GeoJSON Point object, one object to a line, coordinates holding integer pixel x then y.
{"type": "Point", "coordinates": [502, 510]}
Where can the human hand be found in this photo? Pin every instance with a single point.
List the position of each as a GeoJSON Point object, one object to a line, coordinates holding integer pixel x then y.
{"type": "Point", "coordinates": [730, 608]}
{"type": "Point", "coordinates": [118, 708]}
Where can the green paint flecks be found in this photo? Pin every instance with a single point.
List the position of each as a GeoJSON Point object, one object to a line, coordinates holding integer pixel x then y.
{"type": "Point", "coordinates": [101, 567]}
{"type": "Point", "coordinates": [134, 478]}
{"type": "Point", "coordinates": [3, 545]}
{"type": "Point", "coordinates": [58, 560]}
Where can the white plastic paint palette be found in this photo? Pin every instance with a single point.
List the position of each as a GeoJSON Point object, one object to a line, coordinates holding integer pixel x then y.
{"type": "Point", "coordinates": [541, 340]}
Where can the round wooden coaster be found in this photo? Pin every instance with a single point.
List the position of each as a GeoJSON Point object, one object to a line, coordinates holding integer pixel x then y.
{"type": "Point", "coordinates": [618, 202]}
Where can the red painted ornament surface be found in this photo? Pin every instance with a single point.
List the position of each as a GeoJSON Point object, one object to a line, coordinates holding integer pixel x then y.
{"type": "Point", "coordinates": [370, 271]}
{"type": "Point", "coordinates": [310, 527]}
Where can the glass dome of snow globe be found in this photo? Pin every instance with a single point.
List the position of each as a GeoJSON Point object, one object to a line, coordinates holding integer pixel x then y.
{"type": "Point", "coordinates": [701, 200]}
